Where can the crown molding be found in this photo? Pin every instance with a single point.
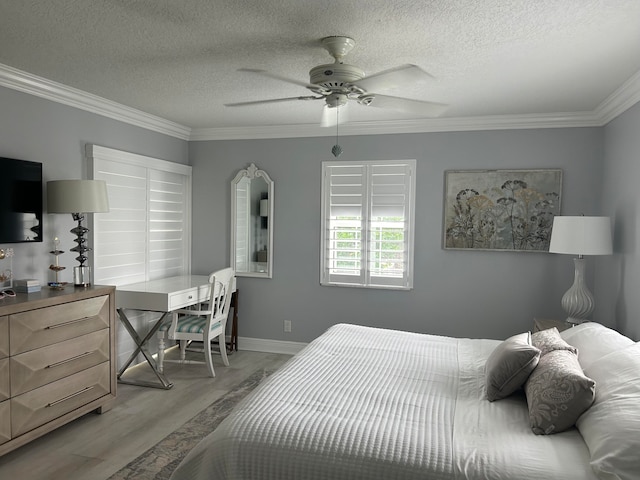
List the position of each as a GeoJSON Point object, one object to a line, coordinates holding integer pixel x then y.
{"type": "Point", "coordinates": [495, 122]}
{"type": "Point", "coordinates": [56, 92]}
{"type": "Point", "coordinates": [618, 102]}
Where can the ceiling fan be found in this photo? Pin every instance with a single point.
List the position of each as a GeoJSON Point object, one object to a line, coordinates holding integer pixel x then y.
{"type": "Point", "coordinates": [339, 83]}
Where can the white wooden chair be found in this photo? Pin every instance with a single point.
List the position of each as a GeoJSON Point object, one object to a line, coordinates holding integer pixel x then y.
{"type": "Point", "coordinates": [201, 325]}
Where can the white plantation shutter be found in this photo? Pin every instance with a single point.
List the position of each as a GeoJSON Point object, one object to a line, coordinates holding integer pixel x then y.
{"type": "Point", "coordinates": [120, 236]}
{"type": "Point", "coordinates": [146, 234]}
{"type": "Point", "coordinates": [367, 215]}
{"type": "Point", "coordinates": [168, 224]}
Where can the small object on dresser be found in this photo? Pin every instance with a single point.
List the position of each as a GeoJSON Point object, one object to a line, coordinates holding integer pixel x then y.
{"type": "Point", "coordinates": [56, 268]}
{"type": "Point", "coordinates": [27, 285]}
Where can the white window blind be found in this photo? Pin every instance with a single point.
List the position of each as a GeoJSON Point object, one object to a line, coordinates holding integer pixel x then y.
{"type": "Point", "coordinates": [368, 218]}
{"type": "Point", "coordinates": [146, 234]}
{"type": "Point", "coordinates": [168, 225]}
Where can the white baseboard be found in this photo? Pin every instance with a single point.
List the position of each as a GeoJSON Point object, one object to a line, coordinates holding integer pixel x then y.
{"type": "Point", "coordinates": [269, 346]}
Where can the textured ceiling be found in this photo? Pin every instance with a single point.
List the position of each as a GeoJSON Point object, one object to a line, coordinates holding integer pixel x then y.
{"type": "Point", "coordinates": [179, 59]}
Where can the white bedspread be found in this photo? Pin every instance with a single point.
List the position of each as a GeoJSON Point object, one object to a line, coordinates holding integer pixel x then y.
{"type": "Point", "coordinates": [365, 403]}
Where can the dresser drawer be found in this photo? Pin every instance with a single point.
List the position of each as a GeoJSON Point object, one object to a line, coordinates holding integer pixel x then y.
{"type": "Point", "coordinates": [4, 337]}
{"type": "Point", "coordinates": [46, 326]}
{"type": "Point", "coordinates": [5, 392]}
{"type": "Point", "coordinates": [5, 421]}
{"type": "Point", "coordinates": [47, 364]}
{"type": "Point", "coordinates": [47, 403]}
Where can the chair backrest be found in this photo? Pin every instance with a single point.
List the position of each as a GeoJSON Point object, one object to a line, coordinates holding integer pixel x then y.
{"type": "Point", "coordinates": [221, 285]}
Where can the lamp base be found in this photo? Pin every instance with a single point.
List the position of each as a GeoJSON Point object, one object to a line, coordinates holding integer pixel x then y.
{"type": "Point", "coordinates": [578, 301]}
{"type": "Point", "coordinates": [82, 276]}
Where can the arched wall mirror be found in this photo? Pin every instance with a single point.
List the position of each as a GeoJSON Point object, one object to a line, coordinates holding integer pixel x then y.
{"type": "Point", "coordinates": [252, 223]}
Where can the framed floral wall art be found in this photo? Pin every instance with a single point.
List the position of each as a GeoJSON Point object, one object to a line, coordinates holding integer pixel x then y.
{"type": "Point", "coordinates": [500, 209]}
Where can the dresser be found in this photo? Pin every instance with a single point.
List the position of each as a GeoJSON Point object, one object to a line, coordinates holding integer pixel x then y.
{"type": "Point", "coordinates": [57, 360]}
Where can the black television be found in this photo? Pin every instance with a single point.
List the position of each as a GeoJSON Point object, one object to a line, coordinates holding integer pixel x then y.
{"type": "Point", "coordinates": [20, 201]}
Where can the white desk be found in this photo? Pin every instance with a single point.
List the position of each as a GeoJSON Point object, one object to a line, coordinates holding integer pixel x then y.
{"type": "Point", "coordinates": [163, 295]}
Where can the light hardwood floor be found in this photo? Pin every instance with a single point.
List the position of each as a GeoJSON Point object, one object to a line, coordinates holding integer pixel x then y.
{"type": "Point", "coordinates": [95, 446]}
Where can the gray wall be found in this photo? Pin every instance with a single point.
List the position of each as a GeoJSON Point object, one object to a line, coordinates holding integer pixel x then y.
{"type": "Point", "coordinates": [475, 294]}
{"type": "Point", "coordinates": [32, 128]}
{"type": "Point", "coordinates": [461, 293]}
{"type": "Point", "coordinates": [618, 281]}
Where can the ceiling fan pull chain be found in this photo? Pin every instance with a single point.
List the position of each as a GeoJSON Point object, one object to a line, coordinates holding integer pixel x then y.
{"type": "Point", "coordinates": [337, 149]}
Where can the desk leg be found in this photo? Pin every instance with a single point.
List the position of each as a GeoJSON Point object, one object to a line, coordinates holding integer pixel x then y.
{"type": "Point", "coordinates": [141, 348]}
{"type": "Point", "coordinates": [233, 344]}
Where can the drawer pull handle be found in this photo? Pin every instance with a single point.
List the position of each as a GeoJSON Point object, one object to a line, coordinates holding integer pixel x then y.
{"type": "Point", "coordinates": [64, 324]}
{"type": "Point", "coordinates": [64, 399]}
{"type": "Point", "coordinates": [62, 362]}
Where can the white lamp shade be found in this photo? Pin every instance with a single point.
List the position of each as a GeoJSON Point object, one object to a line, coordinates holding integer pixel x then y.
{"type": "Point", "coordinates": [581, 235]}
{"type": "Point", "coordinates": [77, 196]}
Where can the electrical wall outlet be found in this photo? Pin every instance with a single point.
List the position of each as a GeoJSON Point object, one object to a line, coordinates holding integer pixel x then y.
{"type": "Point", "coordinates": [287, 325]}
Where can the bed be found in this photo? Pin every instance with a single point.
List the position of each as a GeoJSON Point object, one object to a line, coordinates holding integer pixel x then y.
{"type": "Point", "coordinates": [366, 403]}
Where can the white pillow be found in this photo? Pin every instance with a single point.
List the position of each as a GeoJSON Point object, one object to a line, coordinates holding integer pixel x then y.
{"type": "Point", "coordinates": [593, 342]}
{"type": "Point", "coordinates": [611, 427]}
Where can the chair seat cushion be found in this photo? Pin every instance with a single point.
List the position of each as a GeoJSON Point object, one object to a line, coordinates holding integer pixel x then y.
{"type": "Point", "coordinates": [166, 323]}
{"type": "Point", "coordinates": [189, 324]}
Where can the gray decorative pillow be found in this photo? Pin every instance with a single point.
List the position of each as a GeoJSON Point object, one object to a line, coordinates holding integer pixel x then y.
{"type": "Point", "coordinates": [549, 340]}
{"type": "Point", "coordinates": [509, 366]}
{"type": "Point", "coordinates": [558, 392]}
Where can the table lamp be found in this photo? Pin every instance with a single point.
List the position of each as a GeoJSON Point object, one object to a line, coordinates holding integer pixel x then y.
{"type": "Point", "coordinates": [580, 236]}
{"type": "Point", "coordinates": [78, 197]}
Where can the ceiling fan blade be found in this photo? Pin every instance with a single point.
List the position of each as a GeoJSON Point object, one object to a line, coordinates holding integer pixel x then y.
{"type": "Point", "coordinates": [331, 117]}
{"type": "Point", "coordinates": [272, 100]}
{"type": "Point", "coordinates": [394, 77]}
{"type": "Point", "coordinates": [264, 73]}
{"type": "Point", "coordinates": [418, 107]}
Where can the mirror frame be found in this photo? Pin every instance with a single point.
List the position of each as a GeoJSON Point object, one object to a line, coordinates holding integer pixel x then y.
{"type": "Point", "coordinates": [252, 172]}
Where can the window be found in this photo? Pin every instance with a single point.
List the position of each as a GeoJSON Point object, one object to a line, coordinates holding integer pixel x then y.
{"type": "Point", "coordinates": [367, 223]}
{"type": "Point", "coordinates": [146, 234]}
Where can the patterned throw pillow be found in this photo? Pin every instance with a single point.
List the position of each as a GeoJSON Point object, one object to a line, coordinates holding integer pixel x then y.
{"type": "Point", "coordinates": [550, 340]}
{"type": "Point", "coordinates": [558, 392]}
{"type": "Point", "coordinates": [509, 366]}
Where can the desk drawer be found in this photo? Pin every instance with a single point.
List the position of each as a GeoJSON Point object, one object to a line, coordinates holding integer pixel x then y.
{"type": "Point", "coordinates": [47, 364]}
{"type": "Point", "coordinates": [5, 392]}
{"type": "Point", "coordinates": [5, 421]}
{"type": "Point", "coordinates": [4, 337]}
{"type": "Point", "coordinates": [39, 406]}
{"type": "Point", "coordinates": [49, 325]}
{"type": "Point", "coordinates": [188, 297]}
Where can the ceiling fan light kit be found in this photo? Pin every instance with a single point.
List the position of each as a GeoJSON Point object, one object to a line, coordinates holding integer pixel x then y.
{"type": "Point", "coordinates": [334, 100]}
{"type": "Point", "coordinates": [337, 83]}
